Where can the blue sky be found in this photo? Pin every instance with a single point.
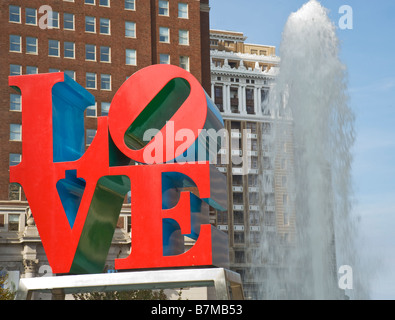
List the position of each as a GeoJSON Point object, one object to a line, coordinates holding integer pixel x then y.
{"type": "Point", "coordinates": [368, 51]}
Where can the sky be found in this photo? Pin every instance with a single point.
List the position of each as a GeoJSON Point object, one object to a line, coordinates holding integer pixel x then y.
{"type": "Point", "coordinates": [368, 52]}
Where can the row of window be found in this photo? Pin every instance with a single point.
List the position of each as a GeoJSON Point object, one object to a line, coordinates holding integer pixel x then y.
{"type": "Point", "coordinates": [163, 6]}
{"type": "Point", "coordinates": [16, 133]}
{"type": "Point", "coordinates": [10, 220]}
{"type": "Point", "coordinates": [105, 27]}
{"type": "Point", "coordinates": [103, 3]}
{"type": "Point", "coordinates": [16, 70]}
{"type": "Point", "coordinates": [163, 9]}
{"type": "Point", "coordinates": [68, 23]}
{"type": "Point", "coordinates": [31, 18]}
{"type": "Point", "coordinates": [90, 49]}
{"type": "Point", "coordinates": [91, 78]}
{"type": "Point", "coordinates": [16, 105]}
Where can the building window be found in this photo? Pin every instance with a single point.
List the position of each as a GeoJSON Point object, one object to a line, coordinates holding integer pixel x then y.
{"type": "Point", "coordinates": [105, 83]}
{"type": "Point", "coordinates": [184, 62]}
{"type": "Point", "coordinates": [68, 21]}
{"type": "Point", "coordinates": [53, 70]}
{"type": "Point", "coordinates": [90, 24]}
{"type": "Point", "coordinates": [90, 2]}
{"type": "Point", "coordinates": [163, 8]}
{"type": "Point", "coordinates": [15, 102]}
{"type": "Point", "coordinates": [15, 159]}
{"type": "Point", "coordinates": [15, 14]}
{"type": "Point", "coordinates": [90, 134]}
{"type": "Point", "coordinates": [15, 132]}
{"type": "Point", "coordinates": [31, 45]}
{"type": "Point", "coordinates": [218, 97]}
{"type": "Point", "coordinates": [90, 52]}
{"type": "Point", "coordinates": [252, 126]}
{"type": "Point", "coordinates": [283, 164]}
{"type": "Point", "coordinates": [31, 70]}
{"type": "Point", "coordinates": [238, 217]}
{"type": "Point", "coordinates": [164, 34]}
{"type": "Point", "coordinates": [31, 16]}
{"type": "Point", "coordinates": [69, 49]}
{"type": "Point", "coordinates": [14, 192]}
{"type": "Point", "coordinates": [183, 37]}
{"type": "Point", "coordinates": [130, 29]}
{"type": "Point", "coordinates": [91, 111]}
{"type": "Point", "coordinates": [239, 237]}
{"type": "Point", "coordinates": [15, 70]}
{"type": "Point", "coordinates": [285, 199]}
{"type": "Point", "coordinates": [286, 218]}
{"type": "Point", "coordinates": [105, 107]}
{"type": "Point", "coordinates": [234, 100]}
{"type": "Point", "coordinates": [13, 222]}
{"type": "Point", "coordinates": [130, 4]}
{"type": "Point", "coordinates": [91, 80]}
{"type": "Point", "coordinates": [164, 58]}
{"type": "Point", "coordinates": [254, 218]}
{"type": "Point", "coordinates": [104, 3]}
{"type": "Point", "coordinates": [222, 217]}
{"type": "Point", "coordinates": [54, 20]}
{"type": "Point", "coordinates": [214, 42]}
{"type": "Point", "coordinates": [284, 181]}
{"type": "Point", "coordinates": [53, 48]}
{"type": "Point", "coordinates": [239, 256]}
{"type": "Point", "coordinates": [105, 54]}
{"type": "Point", "coordinates": [250, 100]}
{"type": "Point", "coordinates": [131, 57]}
{"type": "Point", "coordinates": [70, 73]}
{"type": "Point", "coordinates": [183, 10]}
{"type": "Point", "coordinates": [15, 43]}
{"type": "Point", "coordinates": [104, 26]}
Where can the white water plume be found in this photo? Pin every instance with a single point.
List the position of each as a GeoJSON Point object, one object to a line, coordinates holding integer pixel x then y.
{"type": "Point", "coordinates": [312, 115]}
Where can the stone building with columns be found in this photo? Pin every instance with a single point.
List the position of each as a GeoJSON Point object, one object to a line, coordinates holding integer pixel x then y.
{"type": "Point", "coordinates": [259, 205]}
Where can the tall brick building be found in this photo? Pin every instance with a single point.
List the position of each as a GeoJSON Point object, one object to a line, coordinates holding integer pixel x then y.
{"type": "Point", "coordinates": [98, 43]}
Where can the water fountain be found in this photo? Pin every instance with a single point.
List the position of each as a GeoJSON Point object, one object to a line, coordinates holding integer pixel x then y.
{"type": "Point", "coordinates": [311, 90]}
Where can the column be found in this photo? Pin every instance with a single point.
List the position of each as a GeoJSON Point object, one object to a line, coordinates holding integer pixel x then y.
{"type": "Point", "coordinates": [30, 266]}
{"type": "Point", "coordinates": [258, 107]}
{"type": "Point", "coordinates": [226, 98]}
{"type": "Point", "coordinates": [242, 100]}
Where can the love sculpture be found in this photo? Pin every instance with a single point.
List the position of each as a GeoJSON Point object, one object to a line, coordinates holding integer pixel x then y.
{"type": "Point", "coordinates": [76, 195]}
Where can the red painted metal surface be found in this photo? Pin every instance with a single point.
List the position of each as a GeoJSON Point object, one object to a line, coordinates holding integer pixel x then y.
{"type": "Point", "coordinates": [38, 174]}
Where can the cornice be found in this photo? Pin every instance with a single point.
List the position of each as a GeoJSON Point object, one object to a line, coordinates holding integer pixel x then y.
{"type": "Point", "coordinates": [245, 57]}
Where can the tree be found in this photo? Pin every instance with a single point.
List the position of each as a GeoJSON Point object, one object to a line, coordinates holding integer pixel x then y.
{"type": "Point", "coordinates": [5, 293]}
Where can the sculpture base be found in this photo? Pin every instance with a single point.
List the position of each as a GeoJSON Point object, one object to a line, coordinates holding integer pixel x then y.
{"type": "Point", "coordinates": [221, 279]}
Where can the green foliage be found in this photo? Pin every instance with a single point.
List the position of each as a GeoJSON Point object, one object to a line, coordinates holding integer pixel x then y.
{"type": "Point", "coordinates": [123, 295]}
{"type": "Point", "coordinates": [5, 294]}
